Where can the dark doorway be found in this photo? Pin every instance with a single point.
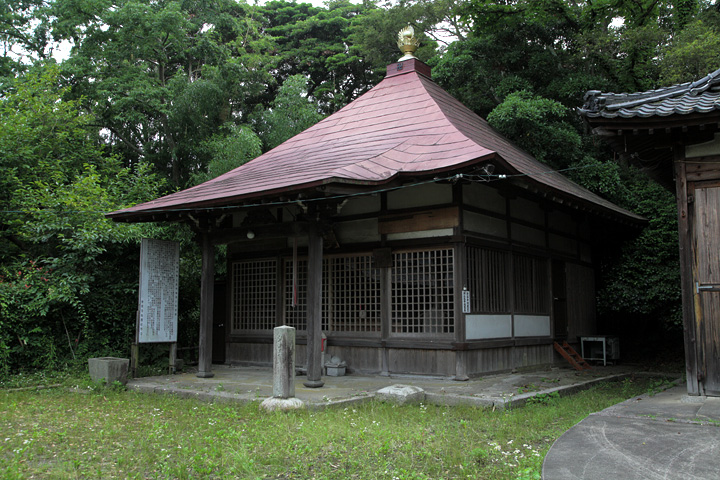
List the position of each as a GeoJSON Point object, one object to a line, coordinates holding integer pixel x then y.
{"type": "Point", "coordinates": [219, 322]}
{"type": "Point", "coordinates": [559, 293]}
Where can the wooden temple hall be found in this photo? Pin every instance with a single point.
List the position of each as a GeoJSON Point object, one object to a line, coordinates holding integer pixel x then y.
{"type": "Point", "coordinates": [406, 230]}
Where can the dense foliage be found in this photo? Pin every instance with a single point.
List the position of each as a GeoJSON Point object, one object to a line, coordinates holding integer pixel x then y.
{"type": "Point", "coordinates": [58, 249]}
{"type": "Point", "coordinates": [150, 96]}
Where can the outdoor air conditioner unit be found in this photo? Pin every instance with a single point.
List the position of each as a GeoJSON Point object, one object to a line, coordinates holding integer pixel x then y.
{"type": "Point", "coordinates": [600, 347]}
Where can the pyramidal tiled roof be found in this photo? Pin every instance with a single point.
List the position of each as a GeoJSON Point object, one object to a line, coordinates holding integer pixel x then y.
{"type": "Point", "coordinates": [406, 125]}
{"type": "Point", "coordinates": [701, 96]}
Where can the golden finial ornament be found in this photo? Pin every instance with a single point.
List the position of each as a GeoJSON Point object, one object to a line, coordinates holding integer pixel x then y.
{"type": "Point", "coordinates": [407, 43]}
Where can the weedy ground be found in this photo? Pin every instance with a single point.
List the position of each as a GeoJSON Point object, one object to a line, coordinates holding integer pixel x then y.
{"type": "Point", "coordinates": [83, 430]}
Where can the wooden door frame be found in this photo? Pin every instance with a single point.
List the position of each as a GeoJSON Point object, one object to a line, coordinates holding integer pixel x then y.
{"type": "Point", "coordinates": [686, 275]}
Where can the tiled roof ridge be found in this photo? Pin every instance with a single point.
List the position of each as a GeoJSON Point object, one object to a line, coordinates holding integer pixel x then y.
{"type": "Point", "coordinates": [596, 100]}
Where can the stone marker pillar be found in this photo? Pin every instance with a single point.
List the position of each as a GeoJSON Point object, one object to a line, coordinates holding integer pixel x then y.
{"type": "Point", "coordinates": [283, 372]}
{"type": "Point", "coordinates": [284, 362]}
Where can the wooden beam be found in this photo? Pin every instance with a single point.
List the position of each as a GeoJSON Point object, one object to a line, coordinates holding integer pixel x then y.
{"type": "Point", "coordinates": [686, 259]}
{"type": "Point", "coordinates": [273, 230]}
{"type": "Point", "coordinates": [701, 171]}
{"type": "Point", "coordinates": [314, 309]}
{"type": "Point", "coordinates": [207, 286]}
{"type": "Point", "coordinates": [656, 122]}
{"type": "Point", "coordinates": [415, 222]}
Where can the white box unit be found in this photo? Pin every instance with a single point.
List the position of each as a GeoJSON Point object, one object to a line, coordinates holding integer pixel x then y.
{"type": "Point", "coordinates": [600, 347]}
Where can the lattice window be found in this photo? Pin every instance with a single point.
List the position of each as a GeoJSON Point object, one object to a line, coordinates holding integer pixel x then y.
{"type": "Point", "coordinates": [353, 294]}
{"type": "Point", "coordinates": [296, 316]}
{"type": "Point", "coordinates": [253, 294]}
{"type": "Point", "coordinates": [487, 280]}
{"type": "Point", "coordinates": [350, 296]}
{"type": "Point", "coordinates": [423, 292]}
{"type": "Point", "coordinates": [531, 282]}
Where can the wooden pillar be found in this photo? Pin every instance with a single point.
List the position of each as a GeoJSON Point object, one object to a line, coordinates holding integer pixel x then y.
{"type": "Point", "coordinates": [686, 277]}
{"type": "Point", "coordinates": [314, 309]}
{"type": "Point", "coordinates": [385, 315]}
{"type": "Point", "coordinates": [460, 282]}
{"type": "Point", "coordinates": [172, 360]}
{"type": "Point", "coordinates": [207, 285]}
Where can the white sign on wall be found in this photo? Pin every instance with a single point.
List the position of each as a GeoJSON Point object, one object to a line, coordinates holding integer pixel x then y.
{"type": "Point", "coordinates": [158, 300]}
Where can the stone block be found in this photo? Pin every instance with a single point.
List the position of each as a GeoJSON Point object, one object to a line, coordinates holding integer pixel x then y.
{"type": "Point", "coordinates": [335, 371]}
{"type": "Point", "coordinates": [401, 394]}
{"type": "Point", "coordinates": [284, 362]}
{"type": "Point", "coordinates": [111, 369]}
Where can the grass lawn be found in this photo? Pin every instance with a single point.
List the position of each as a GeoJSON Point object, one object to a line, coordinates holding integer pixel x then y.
{"type": "Point", "coordinates": [96, 433]}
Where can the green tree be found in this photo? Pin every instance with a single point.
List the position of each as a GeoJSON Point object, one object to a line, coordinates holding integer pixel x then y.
{"type": "Point", "coordinates": [693, 52]}
{"type": "Point", "coordinates": [639, 287]}
{"type": "Point", "coordinates": [290, 113]}
{"type": "Point", "coordinates": [24, 36]}
{"type": "Point", "coordinates": [57, 184]}
{"type": "Point", "coordinates": [558, 49]}
{"type": "Point", "coordinates": [228, 151]}
{"type": "Point", "coordinates": [163, 77]}
{"type": "Point", "coordinates": [373, 35]}
{"type": "Point", "coordinates": [539, 126]}
{"type": "Point", "coordinates": [314, 42]}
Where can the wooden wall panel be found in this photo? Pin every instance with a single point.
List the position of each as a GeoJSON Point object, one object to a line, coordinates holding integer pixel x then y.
{"type": "Point", "coordinates": [563, 244]}
{"type": "Point", "coordinates": [249, 353]}
{"type": "Point", "coordinates": [532, 355]}
{"type": "Point", "coordinates": [422, 362]}
{"type": "Point", "coordinates": [528, 210]}
{"type": "Point", "coordinates": [482, 196]}
{"type": "Point", "coordinates": [562, 222]}
{"type": "Point", "coordinates": [485, 224]}
{"type": "Point", "coordinates": [491, 360]}
{"type": "Point", "coordinates": [420, 196]}
{"type": "Point", "coordinates": [359, 359]}
{"type": "Point", "coordinates": [357, 231]}
{"type": "Point", "coordinates": [580, 301]}
{"type": "Point", "coordinates": [525, 234]}
{"type": "Point", "coordinates": [438, 218]}
{"type": "Point", "coordinates": [360, 205]}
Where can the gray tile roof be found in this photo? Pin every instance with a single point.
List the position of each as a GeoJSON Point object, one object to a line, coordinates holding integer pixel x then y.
{"type": "Point", "coordinates": [701, 96]}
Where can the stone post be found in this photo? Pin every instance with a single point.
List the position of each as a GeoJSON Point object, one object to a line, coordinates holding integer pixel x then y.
{"type": "Point", "coordinates": [284, 362]}
{"type": "Point", "coordinates": [283, 372]}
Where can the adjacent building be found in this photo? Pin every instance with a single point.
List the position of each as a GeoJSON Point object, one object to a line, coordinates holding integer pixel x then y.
{"type": "Point", "coordinates": [672, 133]}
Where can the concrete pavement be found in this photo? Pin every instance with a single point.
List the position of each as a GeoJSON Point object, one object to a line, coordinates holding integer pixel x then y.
{"type": "Point", "coordinates": [669, 435]}
{"type": "Point", "coordinates": [247, 384]}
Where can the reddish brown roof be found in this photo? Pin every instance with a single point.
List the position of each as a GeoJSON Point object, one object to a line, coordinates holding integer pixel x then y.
{"type": "Point", "coordinates": [406, 125]}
